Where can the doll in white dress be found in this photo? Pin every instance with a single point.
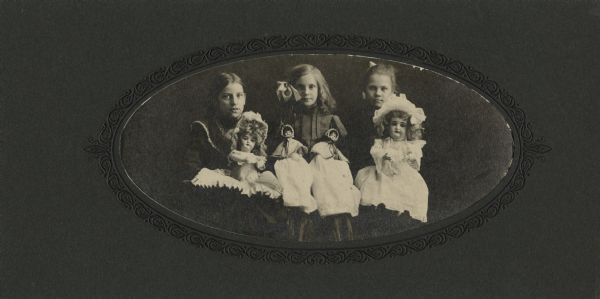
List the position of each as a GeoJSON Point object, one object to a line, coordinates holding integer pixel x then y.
{"type": "Point", "coordinates": [395, 180]}
{"type": "Point", "coordinates": [247, 158]}
{"type": "Point", "coordinates": [293, 172]}
{"type": "Point", "coordinates": [296, 179]}
{"type": "Point", "coordinates": [337, 197]}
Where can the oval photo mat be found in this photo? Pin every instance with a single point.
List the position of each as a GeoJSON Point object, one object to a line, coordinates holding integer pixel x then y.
{"type": "Point", "coordinates": [469, 146]}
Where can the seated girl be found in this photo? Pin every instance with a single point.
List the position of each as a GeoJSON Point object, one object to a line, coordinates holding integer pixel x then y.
{"type": "Point", "coordinates": [247, 158]}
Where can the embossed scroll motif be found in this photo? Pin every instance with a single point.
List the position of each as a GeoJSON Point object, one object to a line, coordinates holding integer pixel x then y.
{"type": "Point", "coordinates": [526, 149]}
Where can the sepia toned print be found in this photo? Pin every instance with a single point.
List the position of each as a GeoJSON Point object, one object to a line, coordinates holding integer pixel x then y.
{"type": "Point", "coordinates": [317, 148]}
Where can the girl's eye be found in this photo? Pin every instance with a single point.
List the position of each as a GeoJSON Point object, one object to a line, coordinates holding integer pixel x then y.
{"type": "Point", "coordinates": [227, 97]}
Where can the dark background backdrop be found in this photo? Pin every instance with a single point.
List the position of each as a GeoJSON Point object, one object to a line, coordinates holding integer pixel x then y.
{"type": "Point", "coordinates": [63, 233]}
{"type": "Point", "coordinates": [469, 145]}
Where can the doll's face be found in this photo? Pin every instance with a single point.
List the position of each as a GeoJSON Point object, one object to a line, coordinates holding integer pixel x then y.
{"type": "Point", "coordinates": [232, 100]}
{"type": "Point", "coordinates": [288, 133]}
{"type": "Point", "coordinates": [378, 89]}
{"type": "Point", "coordinates": [247, 143]}
{"type": "Point", "coordinates": [308, 88]}
{"type": "Point", "coordinates": [333, 136]}
{"type": "Point", "coordinates": [397, 128]}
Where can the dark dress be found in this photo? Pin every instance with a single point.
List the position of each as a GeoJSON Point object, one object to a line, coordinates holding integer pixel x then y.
{"type": "Point", "coordinates": [210, 144]}
{"type": "Point", "coordinates": [360, 141]}
{"type": "Point", "coordinates": [310, 124]}
{"type": "Point", "coordinates": [225, 208]}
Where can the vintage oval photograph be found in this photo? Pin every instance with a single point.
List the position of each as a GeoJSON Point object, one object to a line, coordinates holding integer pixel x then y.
{"type": "Point", "coordinates": [316, 147]}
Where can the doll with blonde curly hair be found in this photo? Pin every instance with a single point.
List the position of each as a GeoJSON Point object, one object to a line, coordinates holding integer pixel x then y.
{"type": "Point", "coordinates": [395, 180]}
{"type": "Point", "coordinates": [247, 160]}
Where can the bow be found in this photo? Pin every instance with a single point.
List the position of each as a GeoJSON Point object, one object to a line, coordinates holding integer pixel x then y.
{"type": "Point", "coordinates": [285, 92]}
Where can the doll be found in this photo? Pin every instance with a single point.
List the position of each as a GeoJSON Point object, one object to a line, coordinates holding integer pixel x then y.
{"type": "Point", "coordinates": [293, 172]}
{"type": "Point", "coordinates": [247, 159]}
{"type": "Point", "coordinates": [296, 179]}
{"type": "Point", "coordinates": [337, 198]}
{"type": "Point", "coordinates": [395, 181]}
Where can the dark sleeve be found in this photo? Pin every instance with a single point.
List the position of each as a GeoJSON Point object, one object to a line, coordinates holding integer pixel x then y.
{"type": "Point", "coordinates": [197, 151]}
{"type": "Point", "coordinates": [337, 124]}
{"type": "Point", "coordinates": [360, 142]}
{"type": "Point", "coordinates": [342, 143]}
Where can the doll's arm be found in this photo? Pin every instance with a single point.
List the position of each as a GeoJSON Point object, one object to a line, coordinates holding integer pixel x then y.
{"type": "Point", "coordinates": [300, 151]}
{"type": "Point", "coordinates": [415, 154]}
{"type": "Point", "coordinates": [383, 158]}
{"type": "Point", "coordinates": [321, 148]}
{"type": "Point", "coordinates": [261, 162]}
{"type": "Point", "coordinates": [378, 153]}
{"type": "Point", "coordinates": [241, 157]}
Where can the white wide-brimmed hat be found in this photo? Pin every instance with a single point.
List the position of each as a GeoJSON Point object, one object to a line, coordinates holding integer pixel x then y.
{"type": "Point", "coordinates": [399, 103]}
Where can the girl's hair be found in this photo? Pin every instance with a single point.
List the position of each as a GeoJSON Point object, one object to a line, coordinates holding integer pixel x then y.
{"type": "Point", "coordinates": [325, 101]}
{"type": "Point", "coordinates": [260, 148]}
{"type": "Point", "coordinates": [413, 132]}
{"type": "Point", "coordinates": [381, 69]}
{"type": "Point", "coordinates": [218, 84]}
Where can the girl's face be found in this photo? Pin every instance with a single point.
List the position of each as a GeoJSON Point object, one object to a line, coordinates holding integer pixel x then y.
{"type": "Point", "coordinates": [288, 133]}
{"type": "Point", "coordinates": [378, 89]}
{"type": "Point", "coordinates": [397, 128]}
{"type": "Point", "coordinates": [232, 100]}
{"type": "Point", "coordinates": [247, 143]}
{"type": "Point", "coordinates": [308, 88]}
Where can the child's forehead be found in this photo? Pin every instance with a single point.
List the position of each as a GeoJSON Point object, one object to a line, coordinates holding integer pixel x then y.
{"type": "Point", "coordinates": [308, 78]}
{"type": "Point", "coordinates": [379, 79]}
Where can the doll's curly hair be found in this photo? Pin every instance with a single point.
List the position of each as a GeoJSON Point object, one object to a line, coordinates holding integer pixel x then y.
{"type": "Point", "coordinates": [413, 131]}
{"type": "Point", "coordinates": [251, 124]}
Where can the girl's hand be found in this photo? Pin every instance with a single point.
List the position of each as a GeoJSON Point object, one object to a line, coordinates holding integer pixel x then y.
{"type": "Point", "coordinates": [295, 157]}
{"type": "Point", "coordinates": [251, 159]}
{"type": "Point", "coordinates": [387, 169]}
{"type": "Point", "coordinates": [261, 162]}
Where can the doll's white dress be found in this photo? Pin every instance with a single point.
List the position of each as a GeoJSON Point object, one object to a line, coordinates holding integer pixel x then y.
{"type": "Point", "coordinates": [395, 183]}
{"type": "Point", "coordinates": [332, 187]}
{"type": "Point", "coordinates": [243, 176]}
{"type": "Point", "coordinates": [294, 175]}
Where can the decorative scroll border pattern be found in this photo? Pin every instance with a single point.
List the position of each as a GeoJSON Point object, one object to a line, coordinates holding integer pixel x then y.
{"type": "Point", "coordinates": [529, 149]}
